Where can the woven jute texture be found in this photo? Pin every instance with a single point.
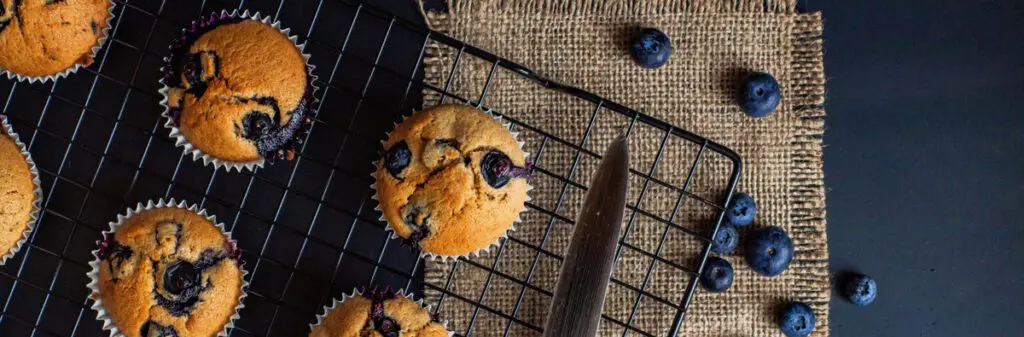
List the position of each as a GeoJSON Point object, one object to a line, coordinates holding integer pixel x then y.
{"type": "Point", "coordinates": [584, 44]}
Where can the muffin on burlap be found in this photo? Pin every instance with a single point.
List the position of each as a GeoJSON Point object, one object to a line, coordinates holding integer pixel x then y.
{"type": "Point", "coordinates": [238, 90]}
{"type": "Point", "coordinates": [452, 180]}
{"type": "Point", "coordinates": [166, 270]}
{"type": "Point", "coordinates": [41, 39]}
{"type": "Point", "coordinates": [19, 186]}
{"type": "Point", "coordinates": [377, 313]}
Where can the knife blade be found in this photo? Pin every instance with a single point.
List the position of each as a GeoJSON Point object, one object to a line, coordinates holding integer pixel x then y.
{"type": "Point", "coordinates": [583, 280]}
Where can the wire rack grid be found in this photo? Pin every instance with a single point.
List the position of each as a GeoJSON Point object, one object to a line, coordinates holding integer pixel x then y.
{"type": "Point", "coordinates": [307, 227]}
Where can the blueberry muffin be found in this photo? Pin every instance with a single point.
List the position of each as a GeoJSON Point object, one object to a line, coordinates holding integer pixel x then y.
{"type": "Point", "coordinates": [238, 90]}
{"type": "Point", "coordinates": [167, 271]}
{"type": "Point", "coordinates": [43, 38]}
{"type": "Point", "coordinates": [452, 180]}
{"type": "Point", "coordinates": [378, 313]}
{"type": "Point", "coordinates": [18, 207]}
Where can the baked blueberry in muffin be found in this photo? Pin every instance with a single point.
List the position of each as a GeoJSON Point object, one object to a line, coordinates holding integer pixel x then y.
{"type": "Point", "coordinates": [238, 90]}
{"type": "Point", "coordinates": [378, 313]}
{"type": "Point", "coordinates": [167, 271]}
{"type": "Point", "coordinates": [452, 180]}
{"type": "Point", "coordinates": [44, 38]}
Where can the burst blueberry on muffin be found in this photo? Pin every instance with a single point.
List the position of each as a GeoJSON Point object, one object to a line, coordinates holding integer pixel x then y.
{"type": "Point", "coordinates": [45, 38]}
{"type": "Point", "coordinates": [377, 313]}
{"type": "Point", "coordinates": [238, 89]}
{"type": "Point", "coordinates": [167, 271]}
{"type": "Point", "coordinates": [21, 194]}
{"type": "Point", "coordinates": [452, 180]}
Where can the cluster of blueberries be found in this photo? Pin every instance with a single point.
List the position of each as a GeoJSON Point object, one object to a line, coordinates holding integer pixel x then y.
{"type": "Point", "coordinates": [768, 250]}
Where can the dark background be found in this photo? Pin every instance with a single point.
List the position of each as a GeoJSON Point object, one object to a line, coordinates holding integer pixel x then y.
{"type": "Point", "coordinates": [924, 162]}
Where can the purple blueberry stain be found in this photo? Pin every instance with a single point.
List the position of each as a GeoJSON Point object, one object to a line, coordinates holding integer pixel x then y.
{"type": "Point", "coordinates": [114, 253]}
{"type": "Point", "coordinates": [388, 327]}
{"type": "Point", "coordinates": [384, 325]}
{"type": "Point", "coordinates": [498, 169]}
{"type": "Point", "coordinates": [152, 329]}
{"type": "Point", "coordinates": [3, 11]}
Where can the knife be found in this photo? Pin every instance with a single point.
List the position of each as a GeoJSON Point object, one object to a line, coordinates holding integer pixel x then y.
{"type": "Point", "coordinates": [583, 281]}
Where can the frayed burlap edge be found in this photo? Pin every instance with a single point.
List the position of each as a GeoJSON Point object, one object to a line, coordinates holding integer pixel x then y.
{"type": "Point", "coordinates": [438, 20]}
{"type": "Point", "coordinates": [807, 100]}
{"type": "Point", "coordinates": [807, 83]}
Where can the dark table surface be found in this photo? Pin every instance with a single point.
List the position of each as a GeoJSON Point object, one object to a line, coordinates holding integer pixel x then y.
{"type": "Point", "coordinates": [924, 163]}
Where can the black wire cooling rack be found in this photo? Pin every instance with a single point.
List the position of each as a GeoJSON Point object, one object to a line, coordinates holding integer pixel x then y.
{"type": "Point", "coordinates": [307, 227]}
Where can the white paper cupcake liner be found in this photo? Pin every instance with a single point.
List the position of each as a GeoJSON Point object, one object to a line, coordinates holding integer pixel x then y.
{"type": "Point", "coordinates": [199, 155]}
{"type": "Point", "coordinates": [64, 73]}
{"type": "Point", "coordinates": [37, 192]}
{"type": "Point", "coordinates": [478, 252]}
{"type": "Point", "coordinates": [94, 273]}
{"type": "Point", "coordinates": [356, 292]}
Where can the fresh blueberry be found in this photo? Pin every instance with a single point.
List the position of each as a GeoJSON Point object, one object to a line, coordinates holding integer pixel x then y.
{"type": "Point", "coordinates": [796, 320]}
{"type": "Point", "coordinates": [717, 275]}
{"type": "Point", "coordinates": [742, 210]}
{"type": "Point", "coordinates": [180, 276]}
{"type": "Point", "coordinates": [759, 95]}
{"type": "Point", "coordinates": [769, 250]}
{"type": "Point", "coordinates": [650, 48]}
{"type": "Point", "coordinates": [726, 239]}
{"type": "Point", "coordinates": [397, 158]}
{"type": "Point", "coordinates": [861, 290]}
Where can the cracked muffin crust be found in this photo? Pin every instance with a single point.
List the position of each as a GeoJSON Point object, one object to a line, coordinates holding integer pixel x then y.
{"type": "Point", "coordinates": [452, 180]}
{"type": "Point", "coordinates": [238, 89]}
{"type": "Point", "coordinates": [18, 191]}
{"type": "Point", "coordinates": [378, 313]}
{"type": "Point", "coordinates": [45, 37]}
{"type": "Point", "coordinates": [168, 271]}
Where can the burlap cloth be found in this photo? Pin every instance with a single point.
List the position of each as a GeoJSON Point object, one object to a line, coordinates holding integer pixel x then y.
{"type": "Point", "coordinates": [584, 44]}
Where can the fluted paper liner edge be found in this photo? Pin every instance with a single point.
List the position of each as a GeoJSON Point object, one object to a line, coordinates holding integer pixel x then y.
{"type": "Point", "coordinates": [37, 192]}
